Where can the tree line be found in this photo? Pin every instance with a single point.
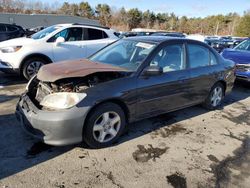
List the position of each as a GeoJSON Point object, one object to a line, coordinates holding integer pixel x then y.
{"type": "Point", "coordinates": [125, 20]}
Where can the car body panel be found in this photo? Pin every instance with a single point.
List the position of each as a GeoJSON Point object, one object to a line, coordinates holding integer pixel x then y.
{"type": "Point", "coordinates": [158, 93]}
{"type": "Point", "coordinates": [44, 125]}
{"type": "Point", "coordinates": [76, 68]}
{"type": "Point", "coordinates": [241, 59]}
{"type": "Point", "coordinates": [238, 56]}
{"type": "Point", "coordinates": [69, 50]}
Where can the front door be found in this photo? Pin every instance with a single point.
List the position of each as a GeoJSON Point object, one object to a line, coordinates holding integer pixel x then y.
{"type": "Point", "coordinates": [72, 48]}
{"type": "Point", "coordinates": [169, 90]}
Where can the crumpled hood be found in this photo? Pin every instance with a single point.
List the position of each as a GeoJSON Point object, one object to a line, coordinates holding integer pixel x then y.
{"type": "Point", "coordinates": [16, 42]}
{"type": "Point", "coordinates": [238, 56]}
{"type": "Point", "coordinates": [76, 68]}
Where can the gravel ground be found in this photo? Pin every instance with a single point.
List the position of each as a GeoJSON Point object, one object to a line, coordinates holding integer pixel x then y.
{"type": "Point", "coordinates": [188, 148]}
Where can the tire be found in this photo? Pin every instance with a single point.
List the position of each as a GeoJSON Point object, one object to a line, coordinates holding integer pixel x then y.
{"type": "Point", "coordinates": [106, 118]}
{"type": "Point", "coordinates": [215, 97]}
{"type": "Point", "coordinates": [33, 63]}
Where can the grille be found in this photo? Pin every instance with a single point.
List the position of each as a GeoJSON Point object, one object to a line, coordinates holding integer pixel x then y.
{"type": "Point", "coordinates": [241, 68]}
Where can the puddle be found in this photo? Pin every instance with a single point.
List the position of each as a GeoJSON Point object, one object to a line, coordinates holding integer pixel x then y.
{"type": "Point", "coordinates": [177, 180]}
{"type": "Point", "coordinates": [213, 158]}
{"type": "Point", "coordinates": [38, 148]}
{"type": "Point", "coordinates": [145, 154]}
{"type": "Point", "coordinates": [167, 131]}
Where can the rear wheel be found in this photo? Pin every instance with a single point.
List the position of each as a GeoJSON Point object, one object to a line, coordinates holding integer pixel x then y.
{"type": "Point", "coordinates": [215, 97]}
{"type": "Point", "coordinates": [104, 125]}
{"type": "Point", "coordinates": [32, 66]}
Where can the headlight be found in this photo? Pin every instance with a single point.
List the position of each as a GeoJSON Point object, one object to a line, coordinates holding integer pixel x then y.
{"type": "Point", "coordinates": [247, 69]}
{"type": "Point", "coordinates": [62, 100]}
{"type": "Point", "coordinates": [10, 49]}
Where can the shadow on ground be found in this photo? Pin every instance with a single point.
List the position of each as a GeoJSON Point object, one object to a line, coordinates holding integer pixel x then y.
{"type": "Point", "coordinates": [11, 79]}
{"type": "Point", "coordinates": [18, 151]}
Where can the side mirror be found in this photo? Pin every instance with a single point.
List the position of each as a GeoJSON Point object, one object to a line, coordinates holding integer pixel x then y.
{"type": "Point", "coordinates": [59, 41]}
{"type": "Point", "coordinates": [152, 71]}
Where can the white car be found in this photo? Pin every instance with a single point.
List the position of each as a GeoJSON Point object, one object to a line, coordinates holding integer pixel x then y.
{"type": "Point", "coordinates": [53, 44]}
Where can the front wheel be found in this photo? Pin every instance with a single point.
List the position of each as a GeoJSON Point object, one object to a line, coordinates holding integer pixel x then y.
{"type": "Point", "coordinates": [104, 125]}
{"type": "Point", "coordinates": [32, 66]}
{"type": "Point", "coordinates": [215, 97]}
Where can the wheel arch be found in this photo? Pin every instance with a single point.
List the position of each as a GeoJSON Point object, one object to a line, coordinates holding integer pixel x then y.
{"type": "Point", "coordinates": [116, 101]}
{"type": "Point", "coordinates": [223, 82]}
{"type": "Point", "coordinates": [45, 57]}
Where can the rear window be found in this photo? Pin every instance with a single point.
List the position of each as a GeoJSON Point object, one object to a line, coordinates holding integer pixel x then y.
{"type": "Point", "coordinates": [198, 56]}
{"type": "Point", "coordinates": [11, 28]}
{"type": "Point", "coordinates": [94, 34]}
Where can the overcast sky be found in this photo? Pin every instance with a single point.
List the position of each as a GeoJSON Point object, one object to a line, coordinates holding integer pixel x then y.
{"type": "Point", "coordinates": [190, 8]}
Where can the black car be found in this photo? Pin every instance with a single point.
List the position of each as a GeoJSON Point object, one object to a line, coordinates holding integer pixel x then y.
{"type": "Point", "coordinates": [94, 99]}
{"type": "Point", "coordinates": [169, 34]}
{"type": "Point", "coordinates": [133, 34]}
{"type": "Point", "coordinates": [8, 31]}
{"type": "Point", "coordinates": [34, 30]}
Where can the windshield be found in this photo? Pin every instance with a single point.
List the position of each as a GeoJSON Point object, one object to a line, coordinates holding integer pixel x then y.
{"type": "Point", "coordinates": [43, 33]}
{"type": "Point", "coordinates": [124, 53]}
{"type": "Point", "coordinates": [245, 45]}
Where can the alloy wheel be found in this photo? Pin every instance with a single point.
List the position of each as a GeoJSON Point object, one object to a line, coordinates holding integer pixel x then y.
{"type": "Point", "coordinates": [33, 68]}
{"type": "Point", "coordinates": [216, 96]}
{"type": "Point", "coordinates": [106, 127]}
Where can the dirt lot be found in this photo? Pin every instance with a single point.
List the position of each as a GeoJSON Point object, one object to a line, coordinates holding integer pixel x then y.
{"type": "Point", "coordinates": [187, 148]}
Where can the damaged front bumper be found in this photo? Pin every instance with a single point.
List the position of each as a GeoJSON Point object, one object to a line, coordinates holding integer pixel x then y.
{"type": "Point", "coordinates": [57, 128]}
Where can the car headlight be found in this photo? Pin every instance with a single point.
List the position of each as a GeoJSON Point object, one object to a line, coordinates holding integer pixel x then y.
{"type": "Point", "coordinates": [247, 69]}
{"type": "Point", "coordinates": [10, 49]}
{"type": "Point", "coordinates": [62, 100]}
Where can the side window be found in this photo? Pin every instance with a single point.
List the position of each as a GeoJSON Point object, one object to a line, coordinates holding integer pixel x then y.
{"type": "Point", "coordinates": [170, 58]}
{"type": "Point", "coordinates": [2, 28]}
{"type": "Point", "coordinates": [94, 34]}
{"type": "Point", "coordinates": [198, 56]}
{"type": "Point", "coordinates": [74, 34]}
{"type": "Point", "coordinates": [213, 60]}
{"type": "Point", "coordinates": [70, 34]}
{"type": "Point", "coordinates": [11, 28]}
{"type": "Point", "coordinates": [62, 33]}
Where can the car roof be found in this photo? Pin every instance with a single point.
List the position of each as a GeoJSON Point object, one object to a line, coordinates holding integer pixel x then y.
{"type": "Point", "coordinates": [6, 24]}
{"type": "Point", "coordinates": [82, 24]}
{"type": "Point", "coordinates": [158, 39]}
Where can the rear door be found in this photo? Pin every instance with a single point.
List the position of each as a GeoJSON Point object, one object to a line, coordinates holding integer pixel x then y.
{"type": "Point", "coordinates": [168, 91]}
{"type": "Point", "coordinates": [204, 70]}
{"type": "Point", "coordinates": [94, 40]}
